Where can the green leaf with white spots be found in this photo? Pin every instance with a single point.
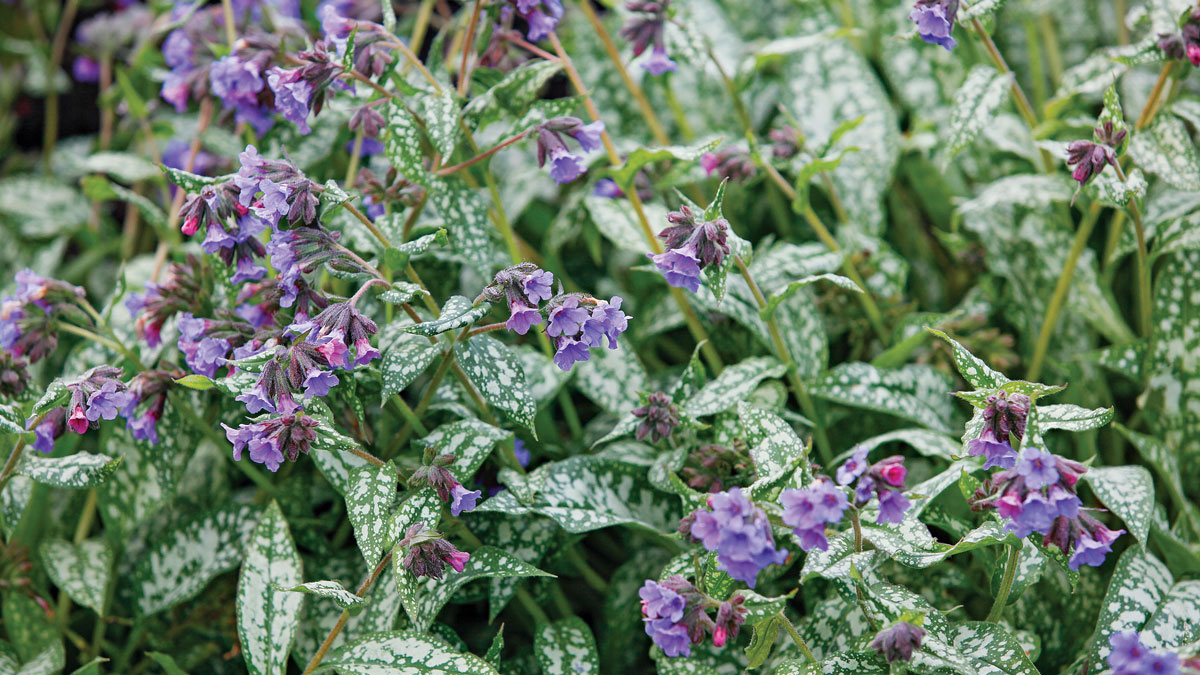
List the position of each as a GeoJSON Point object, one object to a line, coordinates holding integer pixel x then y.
{"type": "Point", "coordinates": [422, 244]}
{"type": "Point", "coordinates": [55, 396]}
{"type": "Point", "coordinates": [512, 94]}
{"type": "Point", "coordinates": [465, 213]}
{"type": "Point", "coordinates": [499, 376]}
{"type": "Point", "coordinates": [1072, 417]}
{"type": "Point", "coordinates": [1176, 622]}
{"type": "Point", "coordinates": [734, 384]}
{"type": "Point", "coordinates": [338, 467]}
{"type": "Point", "coordinates": [913, 392]}
{"type": "Point", "coordinates": [1109, 189]}
{"type": "Point", "coordinates": [402, 143]}
{"type": "Point", "coordinates": [267, 616]}
{"type": "Point", "coordinates": [13, 498]}
{"type": "Point", "coordinates": [334, 591]}
{"type": "Point", "coordinates": [369, 500]}
{"type": "Point", "coordinates": [190, 182]}
{"type": "Point", "coordinates": [977, 373]}
{"type": "Point", "coordinates": [407, 652]}
{"type": "Point", "coordinates": [470, 441]}
{"type": "Point", "coordinates": [11, 420]}
{"type": "Point", "coordinates": [1127, 491]}
{"type": "Point", "coordinates": [975, 105]}
{"type": "Point", "coordinates": [1173, 360]}
{"type": "Point", "coordinates": [979, 10]}
{"type": "Point", "coordinates": [179, 563]}
{"type": "Point", "coordinates": [80, 470]}
{"type": "Point", "coordinates": [774, 445]}
{"type": "Point", "coordinates": [401, 292]}
{"type": "Point", "coordinates": [846, 663]}
{"type": "Point", "coordinates": [640, 157]}
{"type": "Point", "coordinates": [404, 360]}
{"type": "Point", "coordinates": [589, 493]}
{"type": "Point", "coordinates": [924, 441]}
{"type": "Point", "coordinates": [1165, 148]}
{"type": "Point", "coordinates": [441, 113]}
{"type": "Point", "coordinates": [526, 537]}
{"type": "Point", "coordinates": [458, 312]}
{"type": "Point", "coordinates": [80, 570]}
{"type": "Point", "coordinates": [423, 597]}
{"type": "Point", "coordinates": [566, 647]}
{"type": "Point", "coordinates": [778, 297]}
{"type": "Point", "coordinates": [1139, 583]}
{"type": "Point", "coordinates": [33, 635]}
{"type": "Point", "coordinates": [612, 379]}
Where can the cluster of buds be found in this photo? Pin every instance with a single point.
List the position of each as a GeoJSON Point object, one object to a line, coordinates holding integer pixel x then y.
{"type": "Point", "coordinates": [898, 641]}
{"type": "Point", "coordinates": [883, 479]}
{"type": "Point", "coordinates": [1004, 415]}
{"type": "Point", "coordinates": [785, 142]}
{"type": "Point", "coordinates": [675, 614]}
{"type": "Point", "coordinates": [390, 188]}
{"type": "Point", "coordinates": [270, 441]}
{"type": "Point", "coordinates": [13, 375]}
{"type": "Point", "coordinates": [647, 27]}
{"type": "Point", "coordinates": [807, 511]}
{"type": "Point", "coordinates": [710, 468]}
{"type": "Point", "coordinates": [336, 329]}
{"type": "Point", "coordinates": [428, 552]}
{"type": "Point", "coordinates": [237, 79]}
{"type": "Point", "coordinates": [301, 90]}
{"type": "Point", "coordinates": [27, 317]}
{"type": "Point", "coordinates": [738, 531]}
{"type": "Point", "coordinates": [297, 252]}
{"type": "Point", "coordinates": [935, 21]}
{"type": "Point", "coordinates": [566, 166]}
{"type": "Point", "coordinates": [99, 394]}
{"type": "Point", "coordinates": [148, 392]}
{"type": "Point", "coordinates": [1186, 42]}
{"type": "Point", "coordinates": [541, 16]}
{"type": "Point", "coordinates": [692, 244]}
{"type": "Point", "coordinates": [1089, 158]}
{"type": "Point", "coordinates": [435, 474]}
{"type": "Point", "coordinates": [733, 164]}
{"type": "Point", "coordinates": [1038, 495]}
{"type": "Point", "coordinates": [186, 288]}
{"type": "Point", "coordinates": [659, 417]}
{"type": "Point", "coordinates": [274, 188]}
{"type": "Point", "coordinates": [369, 59]}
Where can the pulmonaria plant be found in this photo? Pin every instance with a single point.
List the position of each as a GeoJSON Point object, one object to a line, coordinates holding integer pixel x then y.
{"type": "Point", "coordinates": [27, 318]}
{"type": "Point", "coordinates": [738, 531]}
{"type": "Point", "coordinates": [675, 615]}
{"type": "Point", "coordinates": [647, 26]}
{"type": "Point", "coordinates": [1004, 416]}
{"type": "Point", "coordinates": [692, 245]}
{"type": "Point", "coordinates": [427, 552]}
{"type": "Point", "coordinates": [1184, 43]}
{"type": "Point", "coordinates": [658, 416]}
{"type": "Point", "coordinates": [566, 166]}
{"type": "Point", "coordinates": [934, 20]}
{"type": "Point", "coordinates": [1089, 158]}
{"type": "Point", "coordinates": [435, 474]}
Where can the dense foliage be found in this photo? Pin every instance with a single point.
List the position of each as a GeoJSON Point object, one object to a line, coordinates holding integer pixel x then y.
{"type": "Point", "coordinates": [528, 336]}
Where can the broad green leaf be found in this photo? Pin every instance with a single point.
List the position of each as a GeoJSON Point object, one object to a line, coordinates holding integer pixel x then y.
{"type": "Point", "coordinates": [975, 104]}
{"type": "Point", "coordinates": [403, 652]}
{"type": "Point", "coordinates": [13, 498]}
{"type": "Point", "coordinates": [338, 467]}
{"type": "Point", "coordinates": [55, 396]}
{"type": "Point", "coordinates": [916, 393]}
{"type": "Point", "coordinates": [58, 207]}
{"type": "Point", "coordinates": [423, 597]}
{"type": "Point", "coordinates": [402, 143]}
{"type": "Point", "coordinates": [401, 292]}
{"type": "Point", "coordinates": [612, 379]}
{"type": "Point", "coordinates": [776, 298]}
{"type": "Point", "coordinates": [511, 95]}
{"type": "Point", "coordinates": [190, 182]}
{"type": "Point", "coordinates": [81, 470]}
{"type": "Point", "coordinates": [498, 376]}
{"type": "Point", "coordinates": [1139, 583]}
{"type": "Point", "coordinates": [334, 591]}
{"type": "Point", "coordinates": [734, 384]}
{"type": "Point", "coordinates": [404, 360]}
{"type": "Point", "coordinates": [1176, 622]}
{"type": "Point", "coordinates": [423, 243]}
{"type": "Point", "coordinates": [977, 373]}
{"type": "Point", "coordinates": [1032, 191]}
{"type": "Point", "coordinates": [465, 213]}
{"type": "Point", "coordinates": [566, 648]}
{"type": "Point", "coordinates": [1072, 417]}
{"type": "Point", "coordinates": [526, 537]}
{"type": "Point", "coordinates": [845, 663]}
{"type": "Point", "coordinates": [470, 441]}
{"type": "Point", "coordinates": [1111, 190]}
{"type": "Point", "coordinates": [928, 443]}
{"type": "Point", "coordinates": [456, 313]}
{"type": "Point", "coordinates": [12, 421]}
{"type": "Point", "coordinates": [127, 167]}
{"type": "Point", "coordinates": [1165, 148]}
{"type": "Point", "coordinates": [179, 563]}
{"type": "Point", "coordinates": [267, 616]}
{"type": "Point", "coordinates": [1127, 491]}
{"type": "Point", "coordinates": [774, 445]}
{"type": "Point", "coordinates": [640, 157]}
{"type": "Point", "coordinates": [369, 500]}
{"type": "Point", "coordinates": [762, 641]}
{"type": "Point", "coordinates": [1173, 359]}
{"type": "Point", "coordinates": [440, 112]}
{"type": "Point", "coordinates": [617, 220]}
{"type": "Point", "coordinates": [80, 570]}
{"type": "Point", "coordinates": [34, 636]}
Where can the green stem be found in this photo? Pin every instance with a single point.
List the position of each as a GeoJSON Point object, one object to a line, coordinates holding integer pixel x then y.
{"type": "Point", "coordinates": [1151, 106]}
{"type": "Point", "coordinates": [532, 607]}
{"type": "Point", "coordinates": [1059, 298]}
{"type": "Point", "coordinates": [352, 169]}
{"type": "Point", "coordinates": [590, 576]}
{"type": "Point", "coordinates": [258, 477]}
{"type": "Point", "coordinates": [1010, 574]}
{"type": "Point", "coordinates": [57, 49]}
{"type": "Point", "coordinates": [227, 11]}
{"type": "Point", "coordinates": [854, 522]}
{"type": "Point", "coordinates": [341, 622]}
{"type": "Point", "coordinates": [1145, 303]}
{"type": "Point", "coordinates": [408, 414]}
{"type": "Point", "coordinates": [791, 630]}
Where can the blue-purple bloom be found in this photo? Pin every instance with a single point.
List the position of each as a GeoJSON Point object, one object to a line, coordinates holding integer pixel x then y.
{"type": "Point", "coordinates": [740, 534]}
{"type": "Point", "coordinates": [691, 244]}
{"type": "Point", "coordinates": [85, 69]}
{"type": "Point", "coordinates": [235, 82]}
{"type": "Point", "coordinates": [462, 499]}
{"type": "Point", "coordinates": [541, 15]}
{"type": "Point", "coordinates": [318, 382]}
{"type": "Point", "coordinates": [1037, 467]}
{"type": "Point", "coordinates": [521, 452]}
{"type": "Point", "coordinates": [680, 267]}
{"type": "Point", "coordinates": [808, 510]}
{"type": "Point", "coordinates": [565, 166]}
{"type": "Point", "coordinates": [1035, 515]}
{"type": "Point", "coordinates": [293, 96]}
{"type": "Point", "coordinates": [935, 21]}
{"type": "Point", "coordinates": [659, 62]}
{"type": "Point", "coordinates": [107, 401]}
{"type": "Point", "coordinates": [853, 467]}
{"type": "Point", "coordinates": [570, 351]}
{"type": "Point", "coordinates": [538, 286]}
{"type": "Point", "coordinates": [522, 317]}
{"type": "Point", "coordinates": [1130, 656]}
{"type": "Point", "coordinates": [566, 318]}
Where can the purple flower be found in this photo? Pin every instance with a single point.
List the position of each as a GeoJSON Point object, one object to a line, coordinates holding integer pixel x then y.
{"type": "Point", "coordinates": [892, 505]}
{"type": "Point", "coordinates": [1063, 502]}
{"type": "Point", "coordinates": [658, 417]}
{"type": "Point", "coordinates": [463, 499]}
{"type": "Point", "coordinates": [854, 467]}
{"type": "Point", "coordinates": [292, 96]}
{"type": "Point", "coordinates": [1038, 467]}
{"type": "Point", "coordinates": [333, 347]}
{"type": "Point", "coordinates": [660, 602]}
{"type": "Point", "coordinates": [273, 203]}
{"type": "Point", "coordinates": [256, 400]}
{"type": "Point", "coordinates": [567, 318]}
{"type": "Point", "coordinates": [175, 90]}
{"type": "Point", "coordinates": [933, 24]}
{"type": "Point", "coordinates": [235, 82]}
{"type": "Point", "coordinates": [998, 453]}
{"type": "Point", "coordinates": [589, 136]}
{"type": "Point", "coordinates": [564, 166]}
{"type": "Point", "coordinates": [521, 452]}
{"type": "Point", "coordinates": [659, 62]}
{"type": "Point", "coordinates": [740, 534]}
{"type": "Point", "coordinates": [607, 187]}
{"type": "Point", "coordinates": [205, 356]}
{"type": "Point", "coordinates": [318, 382]}
{"type": "Point", "coordinates": [680, 267]}
{"type": "Point", "coordinates": [191, 328]}
{"type": "Point", "coordinates": [107, 401]}
{"type": "Point", "coordinates": [541, 15]}
{"type": "Point", "coordinates": [898, 642]}
{"type": "Point", "coordinates": [569, 352]}
{"type": "Point", "coordinates": [807, 511]}
{"type": "Point", "coordinates": [364, 352]}
{"type": "Point", "coordinates": [670, 637]}
{"type": "Point", "coordinates": [247, 270]}
{"type": "Point", "coordinates": [266, 451]}
{"type": "Point", "coordinates": [522, 317]}
{"type": "Point", "coordinates": [1088, 551]}
{"type": "Point", "coordinates": [48, 430]}
{"type": "Point", "coordinates": [1127, 649]}
{"type": "Point", "coordinates": [177, 49]}
{"type": "Point", "coordinates": [85, 69]}
{"type": "Point", "coordinates": [144, 428]}
{"type": "Point", "coordinates": [1036, 515]}
{"type": "Point", "coordinates": [607, 321]}
{"type": "Point", "coordinates": [537, 286]}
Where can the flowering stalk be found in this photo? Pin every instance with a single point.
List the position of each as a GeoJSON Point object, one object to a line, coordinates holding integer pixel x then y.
{"type": "Point", "coordinates": [1059, 298]}
{"type": "Point", "coordinates": [791, 630]}
{"type": "Point", "coordinates": [689, 314]}
{"type": "Point", "coordinates": [1010, 574]}
{"type": "Point", "coordinates": [464, 77]}
{"type": "Point", "coordinates": [57, 49]}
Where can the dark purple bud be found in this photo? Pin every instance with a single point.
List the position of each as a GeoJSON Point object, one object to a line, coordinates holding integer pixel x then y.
{"type": "Point", "coordinates": [898, 642]}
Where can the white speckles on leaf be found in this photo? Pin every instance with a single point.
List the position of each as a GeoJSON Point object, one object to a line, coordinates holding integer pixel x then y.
{"type": "Point", "coordinates": [499, 376]}
{"type": "Point", "coordinates": [268, 616]}
{"type": "Point", "coordinates": [81, 570]}
{"type": "Point", "coordinates": [369, 500]}
{"type": "Point", "coordinates": [567, 648]}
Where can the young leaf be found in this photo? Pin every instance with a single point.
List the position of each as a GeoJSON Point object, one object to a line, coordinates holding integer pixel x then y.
{"type": "Point", "coordinates": [456, 313]}
{"type": "Point", "coordinates": [334, 591]}
{"type": "Point", "coordinates": [268, 617]}
{"type": "Point", "coordinates": [640, 157]}
{"type": "Point", "coordinates": [81, 470]}
{"type": "Point", "coordinates": [404, 360]}
{"type": "Point", "coordinates": [977, 373]}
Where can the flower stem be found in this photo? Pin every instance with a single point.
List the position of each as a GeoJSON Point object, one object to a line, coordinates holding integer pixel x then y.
{"type": "Point", "coordinates": [352, 169]}
{"type": "Point", "coordinates": [1145, 303]}
{"type": "Point", "coordinates": [854, 522]}
{"type": "Point", "coordinates": [689, 314]}
{"type": "Point", "coordinates": [1059, 298]}
{"type": "Point", "coordinates": [1151, 107]}
{"type": "Point", "coordinates": [791, 630]}
{"type": "Point", "coordinates": [341, 622]}
{"type": "Point", "coordinates": [14, 458]}
{"type": "Point", "coordinates": [794, 379]}
{"type": "Point", "coordinates": [464, 77]}
{"type": "Point", "coordinates": [227, 12]}
{"type": "Point", "coordinates": [57, 49]}
{"type": "Point", "coordinates": [444, 171]}
{"type": "Point", "coordinates": [647, 110]}
{"type": "Point", "coordinates": [1010, 574]}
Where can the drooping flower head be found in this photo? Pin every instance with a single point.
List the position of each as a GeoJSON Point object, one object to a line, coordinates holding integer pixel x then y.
{"type": "Point", "coordinates": [427, 553]}
{"type": "Point", "coordinates": [935, 21]}
{"type": "Point", "coordinates": [272, 441]}
{"type": "Point", "coordinates": [646, 26]}
{"type": "Point", "coordinates": [1186, 42]}
{"type": "Point", "coordinates": [675, 615]}
{"type": "Point", "coordinates": [884, 479]}
{"type": "Point", "coordinates": [98, 394]}
{"type": "Point", "coordinates": [435, 474]}
{"type": "Point", "coordinates": [808, 510]}
{"type": "Point", "coordinates": [691, 244]}
{"type": "Point", "coordinates": [897, 643]}
{"type": "Point", "coordinates": [740, 534]}
{"type": "Point", "coordinates": [1005, 415]}
{"type": "Point", "coordinates": [27, 317]}
{"type": "Point", "coordinates": [542, 16]}
{"type": "Point", "coordinates": [566, 166]}
{"type": "Point", "coordinates": [734, 163]}
{"type": "Point", "coordinates": [659, 417]}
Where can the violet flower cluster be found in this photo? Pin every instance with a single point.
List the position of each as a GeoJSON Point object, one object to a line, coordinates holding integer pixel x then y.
{"type": "Point", "coordinates": [1130, 656]}
{"type": "Point", "coordinates": [675, 615]}
{"type": "Point", "coordinates": [807, 511]}
{"type": "Point", "coordinates": [102, 35]}
{"type": "Point", "coordinates": [566, 166]}
{"type": "Point", "coordinates": [646, 27]}
{"type": "Point", "coordinates": [1089, 158]}
{"type": "Point", "coordinates": [738, 531]}
{"type": "Point", "coordinates": [575, 322]}
{"type": "Point", "coordinates": [435, 474]}
{"type": "Point", "coordinates": [541, 16]}
{"type": "Point", "coordinates": [1186, 42]}
{"type": "Point", "coordinates": [692, 245]}
{"type": "Point", "coordinates": [935, 21]}
{"type": "Point", "coordinates": [1004, 416]}
{"type": "Point", "coordinates": [1038, 495]}
{"type": "Point", "coordinates": [898, 642]}
{"type": "Point", "coordinates": [27, 317]}
{"type": "Point", "coordinates": [659, 417]}
{"type": "Point", "coordinates": [428, 553]}
{"type": "Point", "coordinates": [733, 164]}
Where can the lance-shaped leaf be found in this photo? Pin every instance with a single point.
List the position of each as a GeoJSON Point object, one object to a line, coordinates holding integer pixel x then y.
{"type": "Point", "coordinates": [55, 396]}
{"type": "Point", "coordinates": [470, 441]}
{"type": "Point", "coordinates": [441, 119]}
{"type": "Point", "coordinates": [401, 292]}
{"type": "Point", "coordinates": [267, 616]}
{"type": "Point", "coordinates": [179, 563]}
{"type": "Point", "coordinates": [11, 420]}
{"type": "Point", "coordinates": [640, 157]}
{"type": "Point", "coordinates": [1138, 585]}
{"type": "Point", "coordinates": [80, 570]}
{"type": "Point", "coordinates": [369, 500]}
{"type": "Point", "coordinates": [81, 470]}
{"type": "Point", "coordinates": [402, 143]}
{"type": "Point", "coordinates": [774, 445]}
{"type": "Point", "coordinates": [977, 373]}
{"type": "Point", "coordinates": [191, 182]}
{"type": "Point", "coordinates": [1127, 491]}
{"type": "Point", "coordinates": [499, 376]}
{"type": "Point", "coordinates": [566, 648]}
{"type": "Point", "coordinates": [403, 652]}
{"type": "Point", "coordinates": [975, 104]}
{"type": "Point", "coordinates": [1072, 417]}
{"type": "Point", "coordinates": [778, 297]}
{"type": "Point", "coordinates": [913, 392]}
{"type": "Point", "coordinates": [334, 591]}
{"type": "Point", "coordinates": [404, 360]}
{"type": "Point", "coordinates": [456, 313]}
{"type": "Point", "coordinates": [734, 384]}
{"type": "Point", "coordinates": [1165, 148]}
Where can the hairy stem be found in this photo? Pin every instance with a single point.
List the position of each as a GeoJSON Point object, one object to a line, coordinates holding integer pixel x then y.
{"type": "Point", "coordinates": [1010, 574]}
{"type": "Point", "coordinates": [791, 630]}
{"type": "Point", "coordinates": [1145, 303]}
{"type": "Point", "coordinates": [1018, 94]}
